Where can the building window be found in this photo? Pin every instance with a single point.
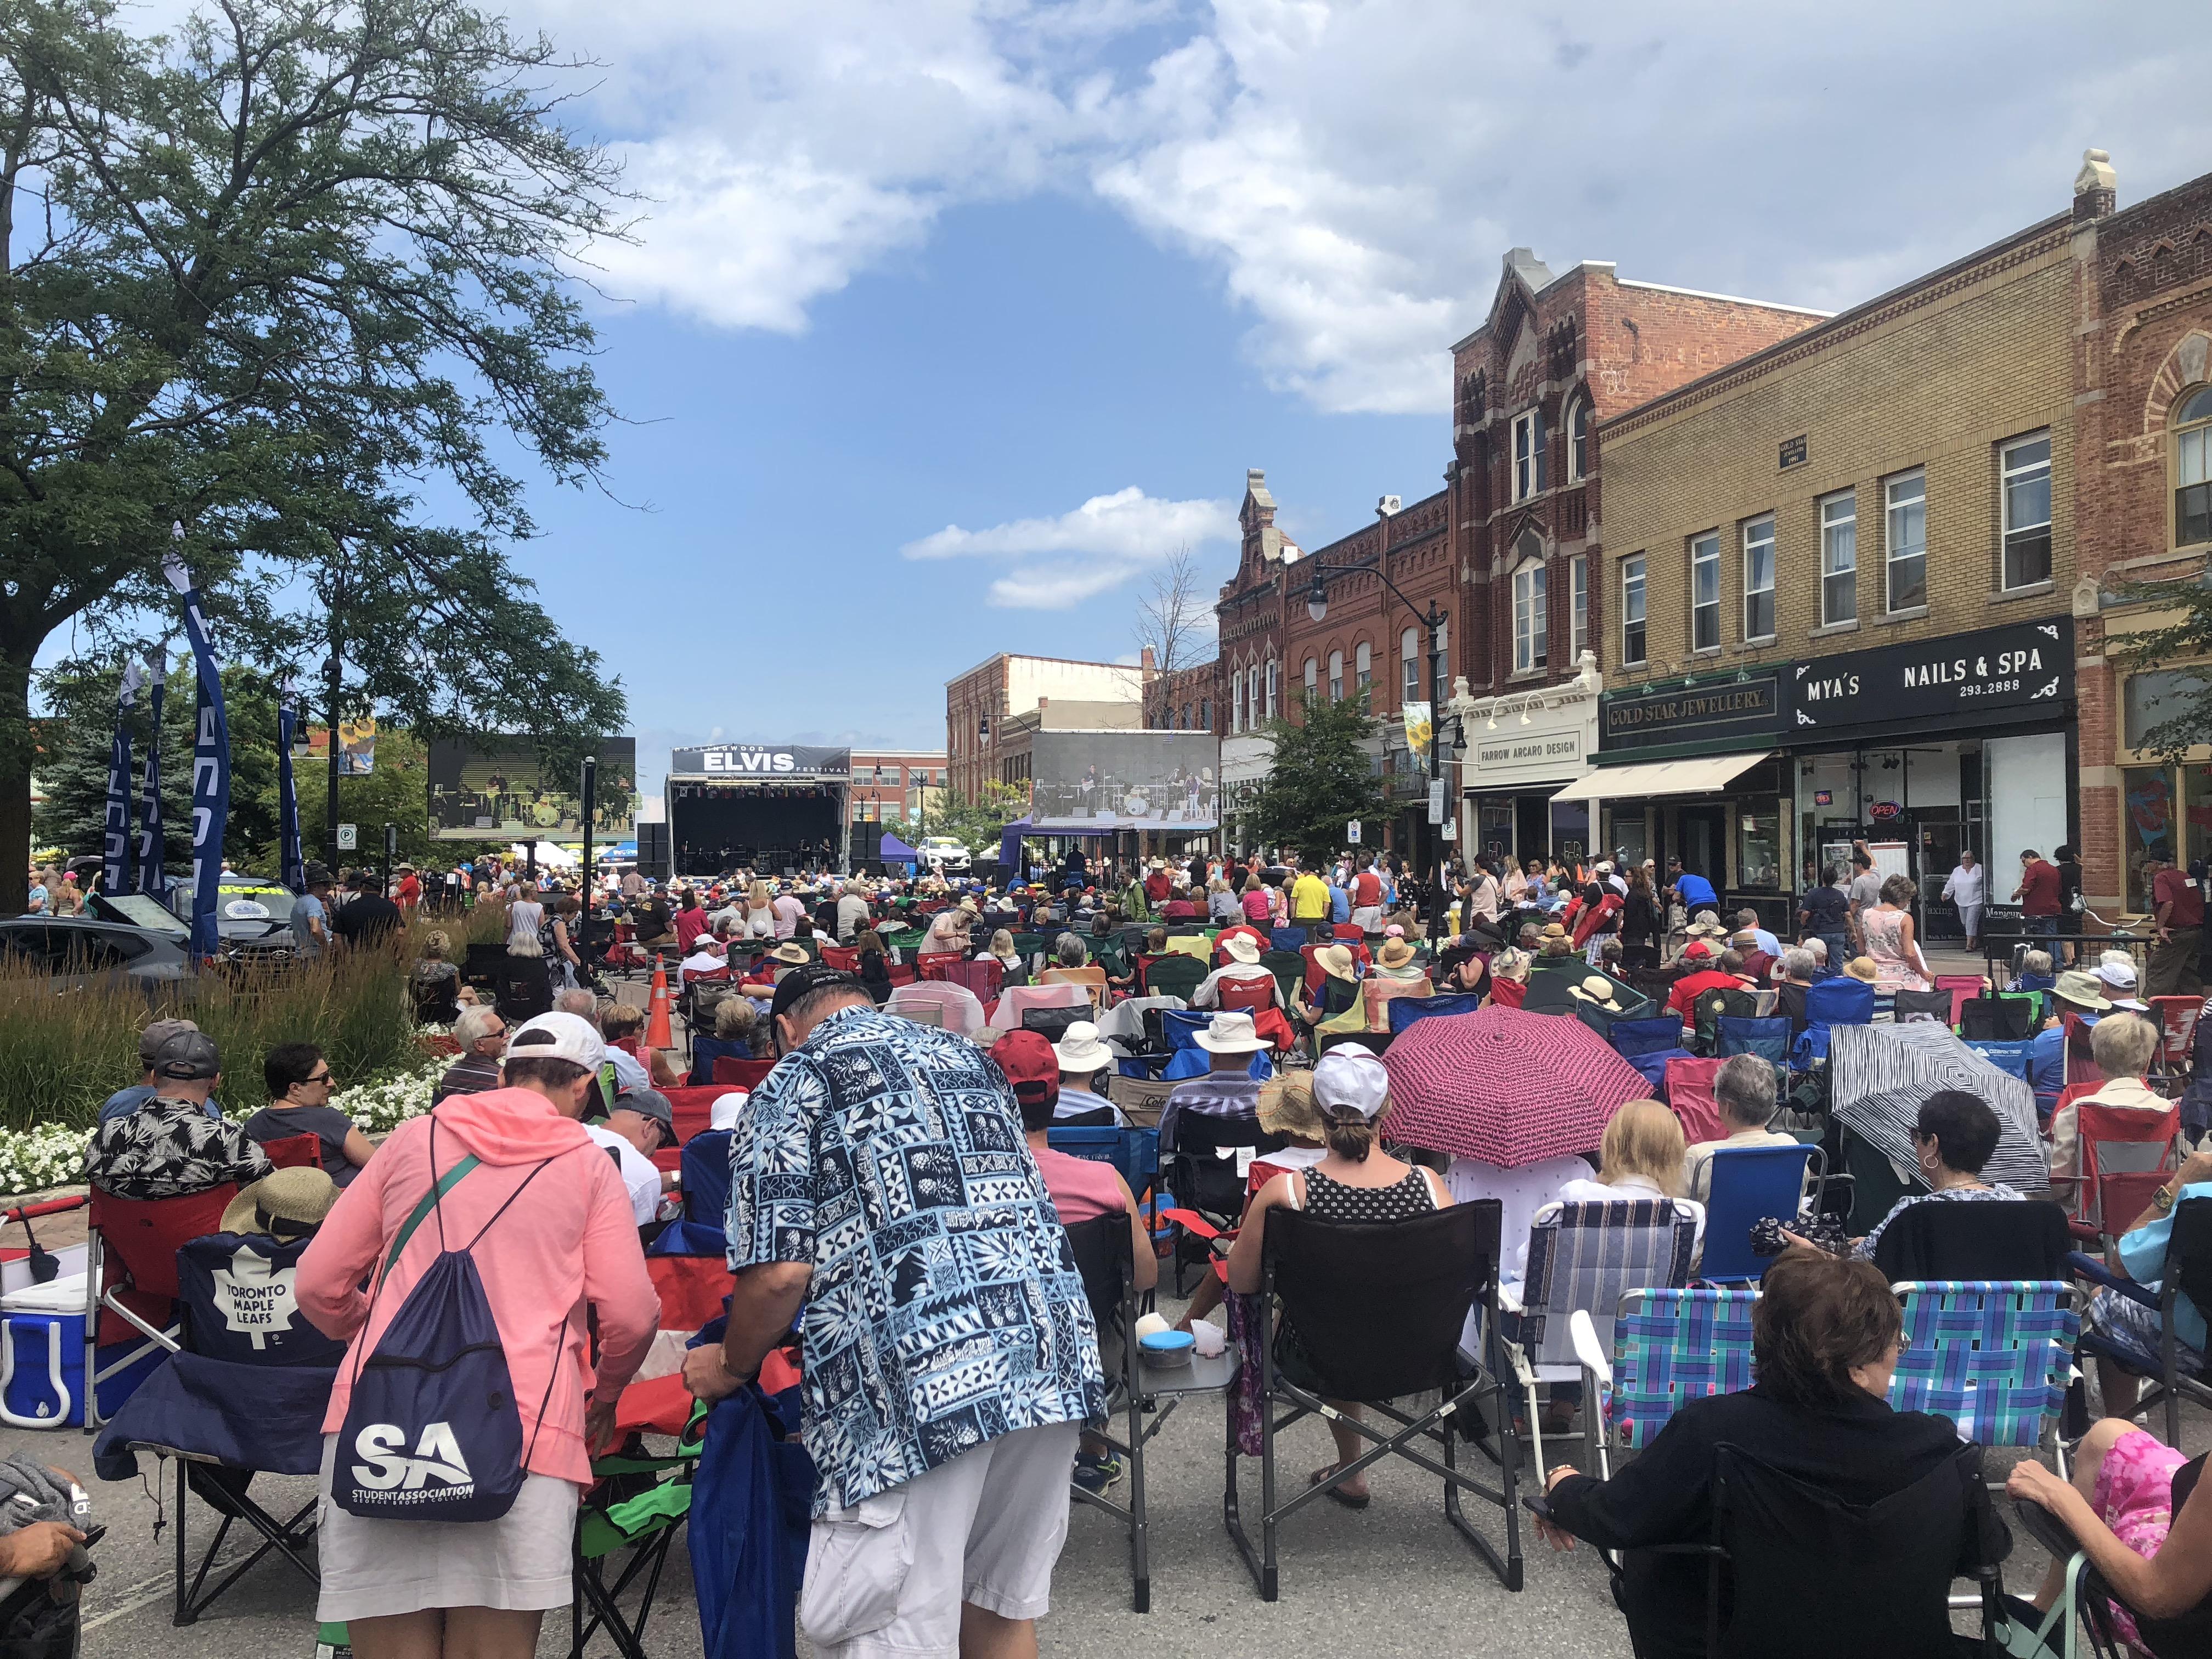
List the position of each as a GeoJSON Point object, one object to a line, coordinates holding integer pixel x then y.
{"type": "Point", "coordinates": [1443, 688]}
{"type": "Point", "coordinates": [1409, 653]}
{"type": "Point", "coordinates": [1531, 628]}
{"type": "Point", "coordinates": [1313, 676]}
{"type": "Point", "coordinates": [1758, 578]}
{"type": "Point", "coordinates": [1706, 592]}
{"type": "Point", "coordinates": [1632, 610]}
{"type": "Point", "coordinates": [1206, 713]}
{"type": "Point", "coordinates": [1905, 541]}
{"type": "Point", "coordinates": [1579, 604]}
{"type": "Point", "coordinates": [2024, 467]}
{"type": "Point", "coordinates": [1839, 559]}
{"type": "Point", "coordinates": [1336, 677]}
{"type": "Point", "coordinates": [2193, 469]}
{"type": "Point", "coordinates": [1271, 688]}
{"type": "Point", "coordinates": [1578, 420]}
{"type": "Point", "coordinates": [1362, 666]}
{"type": "Point", "coordinates": [1528, 454]}
{"type": "Point", "coordinates": [1236, 700]}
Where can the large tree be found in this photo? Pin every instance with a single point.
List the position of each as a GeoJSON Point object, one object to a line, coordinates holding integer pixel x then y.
{"type": "Point", "coordinates": [1320, 778]}
{"type": "Point", "coordinates": [262, 276]}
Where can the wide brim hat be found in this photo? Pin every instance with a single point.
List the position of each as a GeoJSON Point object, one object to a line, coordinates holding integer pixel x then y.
{"type": "Point", "coordinates": [1553, 930]}
{"type": "Point", "coordinates": [794, 954]}
{"type": "Point", "coordinates": [293, 1200]}
{"type": "Point", "coordinates": [1705, 928]}
{"type": "Point", "coordinates": [1334, 960]}
{"type": "Point", "coordinates": [1512, 963]}
{"type": "Point", "coordinates": [1596, 989]}
{"type": "Point", "coordinates": [1862, 968]}
{"type": "Point", "coordinates": [1080, 1049]}
{"type": "Point", "coordinates": [1395, 954]}
{"type": "Point", "coordinates": [2081, 990]}
{"type": "Point", "coordinates": [1231, 1034]}
{"type": "Point", "coordinates": [1286, 1107]}
{"type": "Point", "coordinates": [1243, 946]}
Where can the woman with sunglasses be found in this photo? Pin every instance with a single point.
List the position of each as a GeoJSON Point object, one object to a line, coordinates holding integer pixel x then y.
{"type": "Point", "coordinates": [300, 1087]}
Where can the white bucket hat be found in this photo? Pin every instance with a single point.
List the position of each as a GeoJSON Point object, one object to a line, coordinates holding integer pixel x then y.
{"type": "Point", "coordinates": [1079, 1051]}
{"type": "Point", "coordinates": [1229, 1034]}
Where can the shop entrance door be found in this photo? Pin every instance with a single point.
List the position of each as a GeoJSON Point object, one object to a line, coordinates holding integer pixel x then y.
{"type": "Point", "coordinates": [1532, 826]}
{"type": "Point", "coordinates": [1935, 843]}
{"type": "Point", "coordinates": [1705, 841]}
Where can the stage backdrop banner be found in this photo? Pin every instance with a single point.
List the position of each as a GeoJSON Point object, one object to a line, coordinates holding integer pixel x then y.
{"type": "Point", "coordinates": [490, 788]}
{"type": "Point", "coordinates": [737, 761]}
{"type": "Point", "coordinates": [1167, 781]}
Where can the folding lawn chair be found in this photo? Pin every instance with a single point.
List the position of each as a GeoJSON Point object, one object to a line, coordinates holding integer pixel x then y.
{"type": "Point", "coordinates": [1204, 1172]}
{"type": "Point", "coordinates": [1631, 1038]}
{"type": "Point", "coordinates": [1378, 1311]}
{"type": "Point", "coordinates": [1933, 1006]}
{"type": "Point", "coordinates": [2125, 1156]}
{"type": "Point", "coordinates": [636, 1502]}
{"type": "Point", "coordinates": [130, 1278]}
{"type": "Point", "coordinates": [1585, 1257]}
{"type": "Point", "coordinates": [2177, 1033]}
{"type": "Point", "coordinates": [1669, 1347]}
{"type": "Point", "coordinates": [1751, 1184]}
{"type": "Point", "coordinates": [2027, 1242]}
{"type": "Point", "coordinates": [244, 1395]}
{"type": "Point", "coordinates": [1769, 1039]}
{"type": "Point", "coordinates": [2187, 1272]}
{"type": "Point", "coordinates": [1994, 1356]}
{"type": "Point", "coordinates": [1102, 1255]}
{"type": "Point", "coordinates": [1174, 975]}
{"type": "Point", "coordinates": [1842, 1001]}
{"type": "Point", "coordinates": [1962, 989]}
{"type": "Point", "coordinates": [1135, 1153]}
{"type": "Point", "coordinates": [2012, 1058]}
{"type": "Point", "coordinates": [1405, 1011]}
{"type": "Point", "coordinates": [2090, 1597]}
{"type": "Point", "coordinates": [294, 1152]}
{"type": "Point", "coordinates": [1688, 1090]}
{"type": "Point", "coordinates": [1996, 1019]}
{"type": "Point", "coordinates": [739, 1073]}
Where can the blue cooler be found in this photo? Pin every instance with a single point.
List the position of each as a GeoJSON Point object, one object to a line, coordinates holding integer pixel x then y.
{"type": "Point", "coordinates": [42, 1358]}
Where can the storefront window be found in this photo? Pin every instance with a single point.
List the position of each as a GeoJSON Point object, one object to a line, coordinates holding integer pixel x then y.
{"type": "Point", "coordinates": [2147, 793]}
{"type": "Point", "coordinates": [2154, 699]}
{"type": "Point", "coordinates": [1494, 829]}
{"type": "Point", "coordinates": [1759, 849]}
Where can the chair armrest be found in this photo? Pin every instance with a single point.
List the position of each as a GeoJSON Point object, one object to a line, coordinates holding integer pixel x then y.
{"type": "Point", "coordinates": [1509, 1298]}
{"type": "Point", "coordinates": [1582, 1330]}
{"type": "Point", "coordinates": [1191, 1221]}
{"type": "Point", "coordinates": [2088, 1268]}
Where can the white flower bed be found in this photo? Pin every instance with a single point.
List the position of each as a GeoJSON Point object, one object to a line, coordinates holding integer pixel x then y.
{"type": "Point", "coordinates": [385, 1105]}
{"type": "Point", "coordinates": [31, 1160]}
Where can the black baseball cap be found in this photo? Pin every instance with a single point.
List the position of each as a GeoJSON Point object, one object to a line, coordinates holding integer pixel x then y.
{"type": "Point", "coordinates": [187, 1057]}
{"type": "Point", "coordinates": [804, 982]}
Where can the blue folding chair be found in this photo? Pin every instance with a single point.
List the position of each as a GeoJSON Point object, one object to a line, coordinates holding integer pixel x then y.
{"type": "Point", "coordinates": [1842, 1001]}
{"type": "Point", "coordinates": [1752, 1184]}
{"type": "Point", "coordinates": [705, 1178]}
{"type": "Point", "coordinates": [1191, 1060]}
{"type": "Point", "coordinates": [1993, 1356]}
{"type": "Point", "coordinates": [1404, 1011]}
{"type": "Point", "coordinates": [1767, 1038]}
{"type": "Point", "coordinates": [1180, 1027]}
{"type": "Point", "coordinates": [1134, 1152]}
{"type": "Point", "coordinates": [1631, 1038]}
{"type": "Point", "coordinates": [1652, 1067]}
{"type": "Point", "coordinates": [1669, 1349]}
{"type": "Point", "coordinates": [2010, 1058]}
{"type": "Point", "coordinates": [1293, 940]}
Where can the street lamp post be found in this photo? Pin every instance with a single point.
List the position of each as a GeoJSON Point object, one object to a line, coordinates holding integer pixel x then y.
{"type": "Point", "coordinates": [1433, 619]}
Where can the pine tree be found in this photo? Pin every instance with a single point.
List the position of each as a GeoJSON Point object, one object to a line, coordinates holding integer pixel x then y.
{"type": "Point", "coordinates": [1320, 779]}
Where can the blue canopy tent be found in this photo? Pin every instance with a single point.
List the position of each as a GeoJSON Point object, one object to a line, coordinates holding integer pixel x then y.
{"type": "Point", "coordinates": [891, 850]}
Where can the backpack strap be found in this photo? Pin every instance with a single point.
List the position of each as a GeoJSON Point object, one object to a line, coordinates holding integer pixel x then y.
{"type": "Point", "coordinates": [445, 1184]}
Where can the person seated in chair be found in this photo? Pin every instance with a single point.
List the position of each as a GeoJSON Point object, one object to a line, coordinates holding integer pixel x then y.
{"type": "Point", "coordinates": [1707, 973]}
{"type": "Point", "coordinates": [169, 1147]}
{"type": "Point", "coordinates": [300, 1084]}
{"type": "Point", "coordinates": [2120, 1509]}
{"type": "Point", "coordinates": [2123, 1045]}
{"type": "Point", "coordinates": [481, 1030]}
{"type": "Point", "coordinates": [1743, 1090]}
{"type": "Point", "coordinates": [1353, 1181]}
{"type": "Point", "coordinates": [2035, 973]}
{"type": "Point", "coordinates": [1085, 1063]}
{"type": "Point", "coordinates": [1243, 967]}
{"type": "Point", "coordinates": [1338, 991]}
{"type": "Point", "coordinates": [1953, 1135]}
{"type": "Point", "coordinates": [1797, 969]}
{"type": "Point", "coordinates": [1081, 1189]}
{"type": "Point", "coordinates": [1824, 1333]}
{"type": "Point", "coordinates": [1013, 967]}
{"type": "Point", "coordinates": [2141, 1252]}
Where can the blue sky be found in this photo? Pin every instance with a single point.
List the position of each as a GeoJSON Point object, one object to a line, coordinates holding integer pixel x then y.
{"type": "Point", "coordinates": [945, 320]}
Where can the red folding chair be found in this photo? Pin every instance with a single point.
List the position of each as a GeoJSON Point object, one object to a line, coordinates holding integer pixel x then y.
{"type": "Point", "coordinates": [1689, 1087]}
{"type": "Point", "coordinates": [741, 1073]}
{"type": "Point", "coordinates": [1351, 933]}
{"type": "Point", "coordinates": [130, 1274]}
{"type": "Point", "coordinates": [694, 1107]}
{"type": "Point", "coordinates": [844, 958]}
{"type": "Point", "coordinates": [938, 964]}
{"type": "Point", "coordinates": [2177, 1033]}
{"type": "Point", "coordinates": [2077, 1064]}
{"type": "Point", "coordinates": [902, 973]}
{"type": "Point", "coordinates": [1248, 995]}
{"type": "Point", "coordinates": [1964, 989]}
{"type": "Point", "coordinates": [294, 1152]}
{"type": "Point", "coordinates": [2125, 1155]}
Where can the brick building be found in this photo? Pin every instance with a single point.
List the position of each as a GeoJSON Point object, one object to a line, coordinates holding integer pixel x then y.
{"type": "Point", "coordinates": [2142, 468]}
{"type": "Point", "coordinates": [1184, 699]}
{"type": "Point", "coordinates": [1835, 576]}
{"type": "Point", "coordinates": [894, 785]}
{"type": "Point", "coordinates": [978, 702]}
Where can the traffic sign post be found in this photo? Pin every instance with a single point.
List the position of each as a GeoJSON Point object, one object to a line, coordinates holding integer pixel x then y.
{"type": "Point", "coordinates": [349, 838]}
{"type": "Point", "coordinates": [1352, 833]}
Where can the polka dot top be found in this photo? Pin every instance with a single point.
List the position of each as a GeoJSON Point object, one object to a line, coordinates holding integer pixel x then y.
{"type": "Point", "coordinates": [1333, 1200]}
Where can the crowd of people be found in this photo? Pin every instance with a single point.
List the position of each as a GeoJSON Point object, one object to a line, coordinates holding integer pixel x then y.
{"type": "Point", "coordinates": [893, 1225]}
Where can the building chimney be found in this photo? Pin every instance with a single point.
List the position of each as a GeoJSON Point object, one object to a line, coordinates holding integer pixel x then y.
{"type": "Point", "coordinates": [2096, 187]}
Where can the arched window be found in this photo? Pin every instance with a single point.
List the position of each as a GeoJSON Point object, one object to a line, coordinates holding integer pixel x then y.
{"type": "Point", "coordinates": [1409, 653]}
{"type": "Point", "coordinates": [1313, 676]}
{"type": "Point", "coordinates": [1579, 425]}
{"type": "Point", "coordinates": [1236, 700]}
{"type": "Point", "coordinates": [1362, 666]}
{"type": "Point", "coordinates": [1443, 687]}
{"type": "Point", "coordinates": [1271, 688]}
{"type": "Point", "coordinates": [2192, 468]}
{"type": "Point", "coordinates": [1336, 677]}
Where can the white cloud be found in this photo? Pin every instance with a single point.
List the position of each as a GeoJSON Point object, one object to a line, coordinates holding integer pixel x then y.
{"type": "Point", "coordinates": [1098, 546]}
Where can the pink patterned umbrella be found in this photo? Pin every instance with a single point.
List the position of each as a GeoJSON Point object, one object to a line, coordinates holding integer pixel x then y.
{"type": "Point", "coordinates": [1505, 1086]}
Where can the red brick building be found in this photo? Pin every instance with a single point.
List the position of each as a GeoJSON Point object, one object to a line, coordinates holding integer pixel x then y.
{"type": "Point", "coordinates": [2143, 452]}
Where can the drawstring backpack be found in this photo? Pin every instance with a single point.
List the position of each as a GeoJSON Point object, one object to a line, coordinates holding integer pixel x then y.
{"type": "Point", "coordinates": [432, 1431]}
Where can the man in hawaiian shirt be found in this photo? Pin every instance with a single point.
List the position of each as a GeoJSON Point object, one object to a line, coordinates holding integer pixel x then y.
{"type": "Point", "coordinates": [880, 1179]}
{"type": "Point", "coordinates": [170, 1147]}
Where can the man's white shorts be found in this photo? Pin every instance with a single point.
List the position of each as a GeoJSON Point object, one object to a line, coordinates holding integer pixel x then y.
{"type": "Point", "coordinates": [887, 1576]}
{"type": "Point", "coordinates": [1368, 917]}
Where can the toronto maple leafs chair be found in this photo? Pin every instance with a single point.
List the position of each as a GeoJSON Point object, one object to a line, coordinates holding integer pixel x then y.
{"type": "Point", "coordinates": [244, 1395]}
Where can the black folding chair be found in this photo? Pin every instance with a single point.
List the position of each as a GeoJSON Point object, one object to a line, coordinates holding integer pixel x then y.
{"type": "Point", "coordinates": [1201, 1171]}
{"type": "Point", "coordinates": [1975, 1242]}
{"type": "Point", "coordinates": [2188, 1272]}
{"type": "Point", "coordinates": [1104, 1255]}
{"type": "Point", "coordinates": [1378, 1308]}
{"type": "Point", "coordinates": [1792, 1569]}
{"type": "Point", "coordinates": [2090, 1595]}
{"type": "Point", "coordinates": [1907, 1005]}
{"type": "Point", "coordinates": [1996, 1019]}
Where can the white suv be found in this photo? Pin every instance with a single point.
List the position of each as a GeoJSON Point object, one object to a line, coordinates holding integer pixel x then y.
{"type": "Point", "coordinates": [942, 852]}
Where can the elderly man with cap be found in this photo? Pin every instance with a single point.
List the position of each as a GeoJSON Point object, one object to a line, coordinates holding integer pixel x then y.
{"type": "Point", "coordinates": [2077, 992]}
{"type": "Point", "coordinates": [2116, 972]}
{"type": "Point", "coordinates": [170, 1146]}
{"type": "Point", "coordinates": [1353, 1181]}
{"type": "Point", "coordinates": [1081, 1189]}
{"type": "Point", "coordinates": [128, 1099]}
{"type": "Point", "coordinates": [310, 914]}
{"type": "Point", "coordinates": [640, 1123]}
{"type": "Point", "coordinates": [881, 1182]}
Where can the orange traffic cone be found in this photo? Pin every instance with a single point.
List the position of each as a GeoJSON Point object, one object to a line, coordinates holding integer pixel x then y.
{"type": "Point", "coordinates": [659, 1034]}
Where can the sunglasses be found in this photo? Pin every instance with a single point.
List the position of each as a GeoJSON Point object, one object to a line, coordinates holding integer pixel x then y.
{"type": "Point", "coordinates": [323, 1076]}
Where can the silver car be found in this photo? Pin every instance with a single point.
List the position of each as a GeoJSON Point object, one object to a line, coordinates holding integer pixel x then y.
{"type": "Point", "coordinates": [77, 952]}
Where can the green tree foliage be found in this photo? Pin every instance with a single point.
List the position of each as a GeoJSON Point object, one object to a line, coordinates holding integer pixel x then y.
{"type": "Point", "coordinates": [976, 823]}
{"type": "Point", "coordinates": [1319, 778]}
{"type": "Point", "coordinates": [262, 273]}
{"type": "Point", "coordinates": [2187, 639]}
{"type": "Point", "coordinates": [397, 793]}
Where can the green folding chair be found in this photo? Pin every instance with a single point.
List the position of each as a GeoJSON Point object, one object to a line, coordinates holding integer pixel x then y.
{"type": "Point", "coordinates": [637, 1504]}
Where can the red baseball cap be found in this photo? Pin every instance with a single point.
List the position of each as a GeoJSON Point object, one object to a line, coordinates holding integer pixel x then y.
{"type": "Point", "coordinates": [1030, 1066]}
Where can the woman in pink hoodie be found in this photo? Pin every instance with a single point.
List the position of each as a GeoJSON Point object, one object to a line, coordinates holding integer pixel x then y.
{"type": "Point", "coordinates": [415, 1589]}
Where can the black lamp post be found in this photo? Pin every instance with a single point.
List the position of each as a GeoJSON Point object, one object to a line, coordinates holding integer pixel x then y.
{"type": "Point", "coordinates": [1433, 619]}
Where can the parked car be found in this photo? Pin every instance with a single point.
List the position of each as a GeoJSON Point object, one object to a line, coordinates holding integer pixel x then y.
{"type": "Point", "coordinates": [253, 919]}
{"type": "Point", "coordinates": [80, 951]}
{"type": "Point", "coordinates": [941, 852]}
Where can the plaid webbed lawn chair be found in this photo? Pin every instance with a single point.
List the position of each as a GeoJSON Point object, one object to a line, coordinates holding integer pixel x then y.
{"type": "Point", "coordinates": [1584, 1258]}
{"type": "Point", "coordinates": [1669, 1347]}
{"type": "Point", "coordinates": [1378, 1311]}
{"type": "Point", "coordinates": [1994, 1356]}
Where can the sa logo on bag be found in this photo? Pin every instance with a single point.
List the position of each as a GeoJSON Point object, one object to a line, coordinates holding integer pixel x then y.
{"type": "Point", "coordinates": [437, 1457]}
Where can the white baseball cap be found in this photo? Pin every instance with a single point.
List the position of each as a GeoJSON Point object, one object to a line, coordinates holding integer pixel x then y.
{"type": "Point", "coordinates": [724, 1113]}
{"type": "Point", "coordinates": [558, 1036]}
{"type": "Point", "coordinates": [1351, 1077]}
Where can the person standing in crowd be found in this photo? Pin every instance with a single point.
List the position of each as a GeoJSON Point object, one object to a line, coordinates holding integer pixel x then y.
{"type": "Point", "coordinates": [2072, 908]}
{"type": "Point", "coordinates": [547, 1223]}
{"type": "Point", "coordinates": [408, 891]}
{"type": "Point", "coordinates": [525, 925]}
{"type": "Point", "coordinates": [1865, 892]}
{"type": "Point", "coordinates": [370, 919]}
{"type": "Point", "coordinates": [1309, 904]}
{"type": "Point", "coordinates": [1367, 897]}
{"type": "Point", "coordinates": [1825, 914]}
{"type": "Point", "coordinates": [1964, 887]}
{"type": "Point", "coordinates": [171, 1147]}
{"type": "Point", "coordinates": [940, 1510]}
{"type": "Point", "coordinates": [300, 1086]}
{"type": "Point", "coordinates": [311, 914]}
{"type": "Point", "coordinates": [1898, 965]}
{"type": "Point", "coordinates": [2037, 896]}
{"type": "Point", "coordinates": [851, 911]}
{"type": "Point", "coordinates": [2178, 910]}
